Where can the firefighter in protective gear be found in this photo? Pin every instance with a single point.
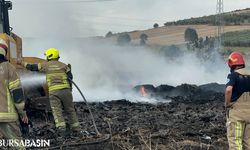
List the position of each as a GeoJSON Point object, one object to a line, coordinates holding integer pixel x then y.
{"type": "Point", "coordinates": [11, 98]}
{"type": "Point", "coordinates": [237, 102]}
{"type": "Point", "coordinates": [60, 95]}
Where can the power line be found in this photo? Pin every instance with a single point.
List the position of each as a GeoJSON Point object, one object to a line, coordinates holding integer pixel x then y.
{"type": "Point", "coordinates": [220, 21]}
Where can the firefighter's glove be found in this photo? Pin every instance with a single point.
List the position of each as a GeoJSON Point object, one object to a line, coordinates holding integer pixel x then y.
{"type": "Point", "coordinates": [25, 119]}
{"type": "Point", "coordinates": [21, 111]}
{"type": "Point", "coordinates": [19, 61]}
{"type": "Point", "coordinates": [228, 105]}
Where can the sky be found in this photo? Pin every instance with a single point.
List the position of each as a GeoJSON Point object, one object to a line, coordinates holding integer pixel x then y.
{"type": "Point", "coordinates": [84, 18]}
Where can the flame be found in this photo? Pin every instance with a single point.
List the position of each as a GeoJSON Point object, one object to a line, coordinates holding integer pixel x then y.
{"type": "Point", "coordinates": [143, 92]}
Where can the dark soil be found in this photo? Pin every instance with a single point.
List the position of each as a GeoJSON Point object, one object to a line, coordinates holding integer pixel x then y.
{"type": "Point", "coordinates": [194, 119]}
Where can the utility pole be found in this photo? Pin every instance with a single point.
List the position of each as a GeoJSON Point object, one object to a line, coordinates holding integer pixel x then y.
{"type": "Point", "coordinates": [220, 22]}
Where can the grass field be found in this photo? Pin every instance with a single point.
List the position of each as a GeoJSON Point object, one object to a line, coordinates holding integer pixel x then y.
{"type": "Point", "coordinates": [245, 50]}
{"type": "Point", "coordinates": [237, 36]}
{"type": "Point", "coordinates": [175, 34]}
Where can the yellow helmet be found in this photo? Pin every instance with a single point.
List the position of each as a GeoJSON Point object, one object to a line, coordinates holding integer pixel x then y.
{"type": "Point", "coordinates": [52, 53]}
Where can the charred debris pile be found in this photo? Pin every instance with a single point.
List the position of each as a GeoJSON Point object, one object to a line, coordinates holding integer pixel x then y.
{"type": "Point", "coordinates": [193, 119]}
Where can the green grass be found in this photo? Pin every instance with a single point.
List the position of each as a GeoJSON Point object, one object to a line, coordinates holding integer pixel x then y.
{"type": "Point", "coordinates": [237, 36]}
{"type": "Point", "coordinates": [245, 50]}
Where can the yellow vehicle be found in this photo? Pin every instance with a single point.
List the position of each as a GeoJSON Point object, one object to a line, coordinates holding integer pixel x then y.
{"type": "Point", "coordinates": [36, 96]}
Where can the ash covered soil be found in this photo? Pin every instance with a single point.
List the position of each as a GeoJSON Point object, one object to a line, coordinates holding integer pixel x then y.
{"type": "Point", "coordinates": [194, 119]}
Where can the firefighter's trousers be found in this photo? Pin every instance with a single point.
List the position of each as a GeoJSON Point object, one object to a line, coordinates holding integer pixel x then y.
{"type": "Point", "coordinates": [238, 124]}
{"type": "Point", "coordinates": [11, 131]}
{"type": "Point", "coordinates": [63, 100]}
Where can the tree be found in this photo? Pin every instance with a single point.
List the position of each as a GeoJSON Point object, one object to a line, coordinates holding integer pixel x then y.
{"type": "Point", "coordinates": [144, 38]}
{"type": "Point", "coordinates": [123, 39]}
{"type": "Point", "coordinates": [109, 34]}
{"type": "Point", "coordinates": [201, 43]}
{"type": "Point", "coordinates": [171, 51]}
{"type": "Point", "coordinates": [156, 25]}
{"type": "Point", "coordinates": [206, 41]}
{"type": "Point", "coordinates": [190, 35]}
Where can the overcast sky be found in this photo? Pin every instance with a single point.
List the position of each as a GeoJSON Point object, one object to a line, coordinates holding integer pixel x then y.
{"type": "Point", "coordinates": [72, 18]}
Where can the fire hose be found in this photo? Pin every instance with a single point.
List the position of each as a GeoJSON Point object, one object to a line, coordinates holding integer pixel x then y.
{"type": "Point", "coordinates": [100, 139]}
{"type": "Point", "coordinates": [25, 127]}
{"type": "Point", "coordinates": [86, 102]}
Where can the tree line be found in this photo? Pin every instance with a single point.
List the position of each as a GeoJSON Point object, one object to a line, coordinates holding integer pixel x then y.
{"type": "Point", "coordinates": [228, 19]}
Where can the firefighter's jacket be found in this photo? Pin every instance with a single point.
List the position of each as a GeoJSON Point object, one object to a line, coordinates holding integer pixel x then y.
{"type": "Point", "coordinates": [11, 94]}
{"type": "Point", "coordinates": [57, 74]}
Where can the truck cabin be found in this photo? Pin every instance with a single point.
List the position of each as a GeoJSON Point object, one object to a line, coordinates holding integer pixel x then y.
{"type": "Point", "coordinates": [14, 41]}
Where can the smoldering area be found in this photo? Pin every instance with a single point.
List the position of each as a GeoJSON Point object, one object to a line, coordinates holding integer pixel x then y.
{"type": "Point", "coordinates": [106, 71]}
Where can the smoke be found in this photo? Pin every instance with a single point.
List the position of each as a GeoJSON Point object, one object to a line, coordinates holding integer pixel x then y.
{"type": "Point", "coordinates": [105, 71]}
{"type": "Point", "coordinates": [32, 79]}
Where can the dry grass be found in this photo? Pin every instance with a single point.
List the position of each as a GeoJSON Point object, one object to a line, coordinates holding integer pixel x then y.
{"type": "Point", "coordinates": [175, 34]}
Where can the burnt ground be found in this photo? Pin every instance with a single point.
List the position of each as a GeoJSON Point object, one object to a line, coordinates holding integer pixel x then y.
{"type": "Point", "coordinates": [194, 119]}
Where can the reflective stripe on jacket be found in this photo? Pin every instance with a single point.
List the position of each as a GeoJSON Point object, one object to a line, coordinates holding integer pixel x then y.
{"type": "Point", "coordinates": [57, 81]}
{"type": "Point", "coordinates": [56, 73]}
{"type": "Point", "coordinates": [9, 81]}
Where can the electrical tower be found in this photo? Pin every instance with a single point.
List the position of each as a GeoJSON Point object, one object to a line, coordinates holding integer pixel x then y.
{"type": "Point", "coordinates": [220, 22]}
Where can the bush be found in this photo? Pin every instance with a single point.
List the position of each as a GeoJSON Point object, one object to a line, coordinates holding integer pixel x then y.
{"type": "Point", "coordinates": [144, 38]}
{"type": "Point", "coordinates": [156, 25]}
{"type": "Point", "coordinates": [123, 39]}
{"type": "Point", "coordinates": [109, 34]}
{"type": "Point", "coordinates": [190, 35]}
{"type": "Point", "coordinates": [171, 51]}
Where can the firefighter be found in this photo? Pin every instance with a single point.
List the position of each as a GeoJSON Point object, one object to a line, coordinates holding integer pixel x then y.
{"type": "Point", "coordinates": [11, 98]}
{"type": "Point", "coordinates": [237, 102]}
{"type": "Point", "coordinates": [59, 86]}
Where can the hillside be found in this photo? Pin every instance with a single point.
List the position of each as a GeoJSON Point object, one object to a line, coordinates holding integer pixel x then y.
{"type": "Point", "coordinates": [238, 17]}
{"type": "Point", "coordinates": [173, 32]}
{"type": "Point", "coordinates": [168, 35]}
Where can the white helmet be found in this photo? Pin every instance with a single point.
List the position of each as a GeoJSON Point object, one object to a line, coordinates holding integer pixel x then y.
{"type": "Point", "coordinates": [3, 47]}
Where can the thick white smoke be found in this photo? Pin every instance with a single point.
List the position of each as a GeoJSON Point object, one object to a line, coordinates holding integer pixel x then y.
{"type": "Point", "coordinates": [105, 71]}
